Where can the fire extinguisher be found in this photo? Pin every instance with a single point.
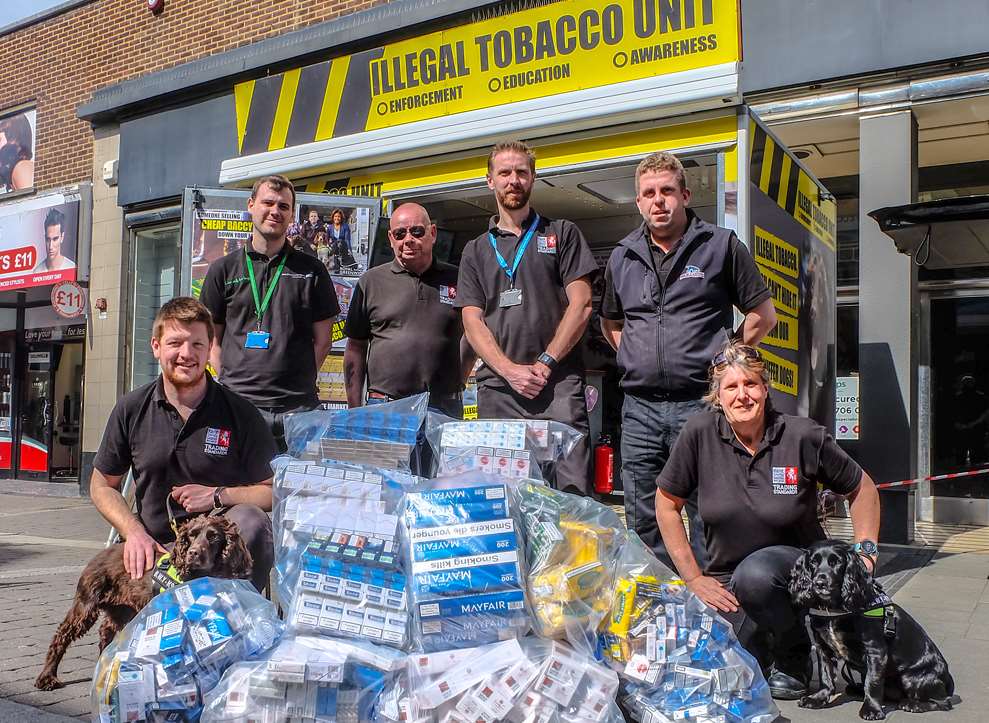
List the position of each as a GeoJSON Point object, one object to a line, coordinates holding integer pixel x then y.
{"type": "Point", "coordinates": [604, 462]}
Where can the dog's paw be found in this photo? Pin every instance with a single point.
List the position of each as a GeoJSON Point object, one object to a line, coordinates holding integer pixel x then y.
{"type": "Point", "coordinates": [46, 681]}
{"type": "Point", "coordinates": [869, 711]}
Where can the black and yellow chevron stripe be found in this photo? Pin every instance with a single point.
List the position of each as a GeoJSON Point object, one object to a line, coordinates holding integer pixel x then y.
{"type": "Point", "coordinates": [303, 105]}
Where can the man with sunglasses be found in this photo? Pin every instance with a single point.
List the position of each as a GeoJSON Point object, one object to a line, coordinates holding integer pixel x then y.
{"type": "Point", "coordinates": [667, 309]}
{"type": "Point", "coordinates": [525, 291]}
{"type": "Point", "coordinates": [404, 335]}
{"type": "Point", "coordinates": [273, 309]}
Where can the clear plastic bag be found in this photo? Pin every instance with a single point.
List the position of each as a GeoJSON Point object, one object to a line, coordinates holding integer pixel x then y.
{"type": "Point", "coordinates": [380, 435]}
{"type": "Point", "coordinates": [338, 566]}
{"type": "Point", "coordinates": [463, 556]}
{"type": "Point", "coordinates": [513, 448]}
{"type": "Point", "coordinates": [306, 679]}
{"type": "Point", "coordinates": [572, 546]}
{"type": "Point", "coordinates": [178, 647]}
{"type": "Point", "coordinates": [678, 659]}
{"type": "Point", "coordinates": [520, 681]}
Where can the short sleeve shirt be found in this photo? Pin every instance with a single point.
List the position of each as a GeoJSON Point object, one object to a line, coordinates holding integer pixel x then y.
{"type": "Point", "coordinates": [283, 376]}
{"type": "Point", "coordinates": [223, 443]}
{"type": "Point", "coordinates": [413, 329]}
{"type": "Point", "coordinates": [750, 502]}
{"type": "Point", "coordinates": [557, 255]}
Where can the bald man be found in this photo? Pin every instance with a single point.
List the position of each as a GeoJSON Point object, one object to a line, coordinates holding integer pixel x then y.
{"type": "Point", "coordinates": [404, 334]}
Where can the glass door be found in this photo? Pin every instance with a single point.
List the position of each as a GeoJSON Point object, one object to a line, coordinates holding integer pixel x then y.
{"type": "Point", "coordinates": [66, 404]}
{"type": "Point", "coordinates": [36, 411]}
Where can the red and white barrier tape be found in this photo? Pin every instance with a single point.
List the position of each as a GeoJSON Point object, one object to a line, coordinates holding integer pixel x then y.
{"type": "Point", "coordinates": [933, 478]}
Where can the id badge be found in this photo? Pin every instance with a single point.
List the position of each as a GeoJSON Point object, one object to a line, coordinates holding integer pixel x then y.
{"type": "Point", "coordinates": [257, 340]}
{"type": "Point", "coordinates": [511, 297]}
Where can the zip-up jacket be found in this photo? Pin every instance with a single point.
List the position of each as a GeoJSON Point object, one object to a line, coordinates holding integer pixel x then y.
{"type": "Point", "coordinates": [676, 321]}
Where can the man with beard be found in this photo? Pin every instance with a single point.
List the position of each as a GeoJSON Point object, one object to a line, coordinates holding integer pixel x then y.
{"type": "Point", "coordinates": [273, 308]}
{"type": "Point", "coordinates": [404, 335]}
{"type": "Point", "coordinates": [670, 287]}
{"type": "Point", "coordinates": [187, 438]}
{"type": "Point", "coordinates": [525, 292]}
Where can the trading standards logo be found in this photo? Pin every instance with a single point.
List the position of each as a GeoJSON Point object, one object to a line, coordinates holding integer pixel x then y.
{"type": "Point", "coordinates": [217, 441]}
{"type": "Point", "coordinates": [448, 294]}
{"type": "Point", "coordinates": [691, 272]}
{"type": "Point", "coordinates": [785, 480]}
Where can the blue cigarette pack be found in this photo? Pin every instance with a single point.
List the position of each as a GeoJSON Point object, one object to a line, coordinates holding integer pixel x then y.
{"type": "Point", "coordinates": [425, 514]}
{"type": "Point", "coordinates": [464, 546]}
{"type": "Point", "coordinates": [471, 620]}
{"type": "Point", "coordinates": [460, 495]}
{"type": "Point", "coordinates": [462, 581]}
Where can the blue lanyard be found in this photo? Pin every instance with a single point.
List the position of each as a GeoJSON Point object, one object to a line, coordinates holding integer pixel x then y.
{"type": "Point", "coordinates": [510, 272]}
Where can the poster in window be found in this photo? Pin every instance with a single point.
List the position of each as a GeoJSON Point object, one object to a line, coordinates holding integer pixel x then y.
{"type": "Point", "coordinates": [344, 287]}
{"type": "Point", "coordinates": [216, 233]}
{"type": "Point", "coordinates": [17, 135]}
{"type": "Point", "coordinates": [339, 236]}
{"type": "Point", "coordinates": [38, 242]}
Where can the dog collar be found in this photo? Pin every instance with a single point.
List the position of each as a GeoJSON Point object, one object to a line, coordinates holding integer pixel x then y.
{"type": "Point", "coordinates": [164, 576]}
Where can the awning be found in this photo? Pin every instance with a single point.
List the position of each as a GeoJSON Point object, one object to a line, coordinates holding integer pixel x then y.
{"type": "Point", "coordinates": [945, 234]}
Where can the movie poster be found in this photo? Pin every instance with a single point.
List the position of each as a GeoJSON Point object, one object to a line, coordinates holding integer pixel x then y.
{"type": "Point", "coordinates": [339, 236]}
{"type": "Point", "coordinates": [216, 233]}
{"type": "Point", "coordinates": [17, 141]}
{"type": "Point", "coordinates": [38, 242]}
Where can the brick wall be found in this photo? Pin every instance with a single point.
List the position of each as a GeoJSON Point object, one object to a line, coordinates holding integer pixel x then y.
{"type": "Point", "coordinates": [58, 63]}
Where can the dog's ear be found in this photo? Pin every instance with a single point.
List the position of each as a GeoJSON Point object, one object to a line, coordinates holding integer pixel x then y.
{"type": "Point", "coordinates": [856, 587]}
{"type": "Point", "coordinates": [800, 583]}
{"type": "Point", "coordinates": [235, 559]}
{"type": "Point", "coordinates": [181, 548]}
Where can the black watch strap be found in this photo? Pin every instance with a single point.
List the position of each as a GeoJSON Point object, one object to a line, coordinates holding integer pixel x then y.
{"type": "Point", "coordinates": [546, 359]}
{"type": "Point", "coordinates": [216, 498]}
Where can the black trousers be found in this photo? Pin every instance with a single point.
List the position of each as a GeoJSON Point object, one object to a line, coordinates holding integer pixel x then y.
{"type": "Point", "coordinates": [276, 423]}
{"type": "Point", "coordinates": [562, 400]}
{"type": "Point", "coordinates": [767, 624]}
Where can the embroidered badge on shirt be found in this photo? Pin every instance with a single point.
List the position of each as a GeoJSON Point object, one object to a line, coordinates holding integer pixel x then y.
{"type": "Point", "coordinates": [785, 480]}
{"type": "Point", "coordinates": [546, 244]}
{"type": "Point", "coordinates": [448, 294]}
{"type": "Point", "coordinates": [217, 441]}
{"type": "Point", "coordinates": [692, 272]}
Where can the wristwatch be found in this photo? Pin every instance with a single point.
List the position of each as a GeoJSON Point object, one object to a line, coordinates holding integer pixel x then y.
{"type": "Point", "coordinates": [216, 498]}
{"type": "Point", "coordinates": [546, 359]}
{"type": "Point", "coordinates": [867, 548]}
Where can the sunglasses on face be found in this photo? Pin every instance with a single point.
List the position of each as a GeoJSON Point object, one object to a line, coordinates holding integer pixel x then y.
{"type": "Point", "coordinates": [399, 233]}
{"type": "Point", "coordinates": [744, 351]}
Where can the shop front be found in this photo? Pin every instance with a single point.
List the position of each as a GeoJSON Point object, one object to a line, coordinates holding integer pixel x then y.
{"type": "Point", "coordinates": [43, 252]}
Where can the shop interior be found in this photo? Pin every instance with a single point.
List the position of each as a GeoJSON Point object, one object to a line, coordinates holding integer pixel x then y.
{"type": "Point", "coordinates": [41, 382]}
{"type": "Point", "coordinates": [601, 201]}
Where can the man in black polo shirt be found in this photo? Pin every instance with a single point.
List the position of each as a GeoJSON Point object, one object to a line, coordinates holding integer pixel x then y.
{"type": "Point", "coordinates": [670, 287]}
{"type": "Point", "coordinates": [403, 332]}
{"type": "Point", "coordinates": [525, 291]}
{"type": "Point", "coordinates": [188, 438]}
{"type": "Point", "coordinates": [404, 335]}
{"type": "Point", "coordinates": [273, 309]}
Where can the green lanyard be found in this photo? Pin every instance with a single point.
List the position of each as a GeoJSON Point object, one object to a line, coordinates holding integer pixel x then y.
{"type": "Point", "coordinates": [261, 306]}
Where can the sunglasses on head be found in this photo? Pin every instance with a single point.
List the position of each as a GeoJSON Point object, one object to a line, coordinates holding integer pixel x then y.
{"type": "Point", "coordinates": [745, 351]}
{"type": "Point", "coordinates": [417, 232]}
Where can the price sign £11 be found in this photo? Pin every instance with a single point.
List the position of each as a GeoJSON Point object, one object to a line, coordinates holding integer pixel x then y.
{"type": "Point", "coordinates": [68, 299]}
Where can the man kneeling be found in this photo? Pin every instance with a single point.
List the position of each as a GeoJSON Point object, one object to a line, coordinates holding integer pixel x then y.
{"type": "Point", "coordinates": [189, 438]}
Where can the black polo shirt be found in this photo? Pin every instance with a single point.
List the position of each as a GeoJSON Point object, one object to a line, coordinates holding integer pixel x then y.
{"type": "Point", "coordinates": [224, 443]}
{"type": "Point", "coordinates": [282, 377]}
{"type": "Point", "coordinates": [750, 502]}
{"type": "Point", "coordinates": [557, 254]}
{"type": "Point", "coordinates": [413, 328]}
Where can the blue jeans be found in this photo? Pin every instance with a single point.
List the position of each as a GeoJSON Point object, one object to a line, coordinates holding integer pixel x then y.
{"type": "Point", "coordinates": [649, 429]}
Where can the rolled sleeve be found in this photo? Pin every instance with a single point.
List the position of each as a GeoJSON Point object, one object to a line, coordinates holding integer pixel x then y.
{"type": "Point", "coordinates": [749, 287]}
{"type": "Point", "coordinates": [611, 305]}
{"type": "Point", "coordinates": [358, 325]}
{"type": "Point", "coordinates": [114, 455]}
{"type": "Point", "coordinates": [470, 291]}
{"type": "Point", "coordinates": [575, 257]}
{"type": "Point", "coordinates": [212, 296]}
{"type": "Point", "coordinates": [259, 450]}
{"type": "Point", "coordinates": [679, 475]}
{"type": "Point", "coordinates": [837, 471]}
{"type": "Point", "coordinates": [325, 304]}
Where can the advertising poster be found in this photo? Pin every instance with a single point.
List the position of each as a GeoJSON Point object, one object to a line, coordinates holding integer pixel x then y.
{"type": "Point", "coordinates": [17, 140]}
{"type": "Point", "coordinates": [338, 236]}
{"type": "Point", "coordinates": [344, 286]}
{"type": "Point", "coordinates": [38, 242]}
{"type": "Point", "coordinates": [216, 233]}
{"type": "Point", "coordinates": [793, 242]}
{"type": "Point", "coordinates": [329, 381]}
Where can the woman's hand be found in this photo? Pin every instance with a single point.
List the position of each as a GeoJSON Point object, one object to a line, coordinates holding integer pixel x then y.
{"type": "Point", "coordinates": [713, 593]}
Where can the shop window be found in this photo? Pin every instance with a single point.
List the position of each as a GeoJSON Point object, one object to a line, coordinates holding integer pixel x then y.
{"type": "Point", "coordinates": [155, 282]}
{"type": "Point", "coordinates": [847, 352]}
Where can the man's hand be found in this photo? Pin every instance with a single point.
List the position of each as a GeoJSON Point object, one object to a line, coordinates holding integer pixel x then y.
{"type": "Point", "coordinates": [542, 370]}
{"type": "Point", "coordinates": [713, 593]}
{"type": "Point", "coordinates": [194, 498]}
{"type": "Point", "coordinates": [525, 380]}
{"type": "Point", "coordinates": [140, 550]}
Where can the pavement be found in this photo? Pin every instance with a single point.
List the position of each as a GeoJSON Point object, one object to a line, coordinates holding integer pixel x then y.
{"type": "Point", "coordinates": [46, 541]}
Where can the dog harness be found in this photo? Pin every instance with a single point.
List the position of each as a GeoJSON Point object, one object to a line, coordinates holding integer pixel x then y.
{"type": "Point", "coordinates": [881, 607]}
{"type": "Point", "coordinates": [164, 576]}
